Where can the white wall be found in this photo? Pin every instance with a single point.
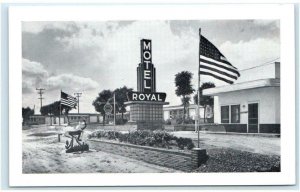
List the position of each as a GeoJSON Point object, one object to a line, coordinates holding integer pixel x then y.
{"type": "Point", "coordinates": [93, 119]}
{"type": "Point", "coordinates": [192, 112]}
{"type": "Point", "coordinates": [166, 115]}
{"type": "Point", "coordinates": [217, 113]}
{"type": "Point", "coordinates": [268, 99]}
{"type": "Point", "coordinates": [264, 72]}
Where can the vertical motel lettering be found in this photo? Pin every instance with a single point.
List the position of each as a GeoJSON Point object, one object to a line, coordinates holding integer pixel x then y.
{"type": "Point", "coordinates": [146, 58]}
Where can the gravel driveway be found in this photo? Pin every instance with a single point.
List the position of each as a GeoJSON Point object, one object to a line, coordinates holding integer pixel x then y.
{"type": "Point", "coordinates": [254, 144]}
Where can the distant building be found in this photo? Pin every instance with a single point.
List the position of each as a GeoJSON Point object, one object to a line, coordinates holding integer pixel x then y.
{"type": "Point", "coordinates": [176, 111]}
{"type": "Point", "coordinates": [74, 117]}
{"type": "Point", "coordinates": [252, 104]}
{"type": "Point", "coordinates": [36, 120]}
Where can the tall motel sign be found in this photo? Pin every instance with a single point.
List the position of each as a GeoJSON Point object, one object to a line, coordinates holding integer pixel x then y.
{"type": "Point", "coordinates": [146, 105]}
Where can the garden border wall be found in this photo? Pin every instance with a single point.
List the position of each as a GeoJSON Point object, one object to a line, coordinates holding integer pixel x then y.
{"type": "Point", "coordinates": [184, 161]}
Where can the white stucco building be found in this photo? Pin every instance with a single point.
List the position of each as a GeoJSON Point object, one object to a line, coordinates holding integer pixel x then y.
{"type": "Point", "coordinates": [251, 104]}
{"type": "Point", "coordinates": [176, 111]}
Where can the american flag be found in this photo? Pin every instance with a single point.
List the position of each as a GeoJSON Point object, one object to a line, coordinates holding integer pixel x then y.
{"type": "Point", "coordinates": [214, 63]}
{"type": "Point", "coordinates": [68, 100]}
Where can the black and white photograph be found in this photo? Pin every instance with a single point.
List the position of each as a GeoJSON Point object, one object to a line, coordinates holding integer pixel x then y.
{"type": "Point", "coordinates": [121, 99]}
{"type": "Point", "coordinates": [122, 96]}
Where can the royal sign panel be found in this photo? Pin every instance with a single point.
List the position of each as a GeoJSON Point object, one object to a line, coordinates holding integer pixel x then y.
{"type": "Point", "coordinates": [138, 96]}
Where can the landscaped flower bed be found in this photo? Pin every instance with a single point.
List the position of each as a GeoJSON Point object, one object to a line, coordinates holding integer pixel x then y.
{"type": "Point", "coordinates": [157, 147]}
{"type": "Point", "coordinates": [165, 149]}
{"type": "Point", "coordinates": [160, 139]}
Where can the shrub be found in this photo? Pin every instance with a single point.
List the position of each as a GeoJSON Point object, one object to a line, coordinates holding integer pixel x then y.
{"type": "Point", "coordinates": [188, 120]}
{"type": "Point", "coordinates": [146, 138]}
{"type": "Point", "coordinates": [179, 121]}
{"type": "Point", "coordinates": [190, 145]}
{"type": "Point", "coordinates": [111, 135]}
{"type": "Point", "coordinates": [121, 121]}
{"type": "Point", "coordinates": [180, 142]}
{"type": "Point", "coordinates": [168, 122]}
{"type": "Point", "coordinates": [185, 142]}
{"type": "Point", "coordinates": [123, 137]}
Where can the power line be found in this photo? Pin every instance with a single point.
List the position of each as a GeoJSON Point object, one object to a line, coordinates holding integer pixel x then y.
{"type": "Point", "coordinates": [78, 95]}
{"type": "Point", "coordinates": [41, 92]}
{"type": "Point", "coordinates": [263, 64]}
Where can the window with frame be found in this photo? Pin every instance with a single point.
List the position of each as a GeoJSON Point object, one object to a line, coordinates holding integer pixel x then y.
{"type": "Point", "coordinates": [235, 113]}
{"type": "Point", "coordinates": [224, 114]}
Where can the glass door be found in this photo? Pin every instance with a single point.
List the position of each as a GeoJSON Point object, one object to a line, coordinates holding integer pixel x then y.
{"type": "Point", "coordinates": [253, 118]}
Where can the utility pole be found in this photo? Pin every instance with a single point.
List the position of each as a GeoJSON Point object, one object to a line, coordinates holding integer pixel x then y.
{"type": "Point", "coordinates": [78, 95]}
{"type": "Point", "coordinates": [41, 92]}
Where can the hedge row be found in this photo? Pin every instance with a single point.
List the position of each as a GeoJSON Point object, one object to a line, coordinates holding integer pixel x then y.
{"type": "Point", "coordinates": [159, 139]}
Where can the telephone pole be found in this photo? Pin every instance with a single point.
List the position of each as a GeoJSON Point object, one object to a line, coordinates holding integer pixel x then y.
{"type": "Point", "coordinates": [78, 95]}
{"type": "Point", "coordinates": [41, 92]}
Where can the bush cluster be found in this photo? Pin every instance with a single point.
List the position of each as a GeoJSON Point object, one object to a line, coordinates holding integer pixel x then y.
{"type": "Point", "coordinates": [186, 121]}
{"type": "Point", "coordinates": [168, 122]}
{"type": "Point", "coordinates": [159, 139]}
{"type": "Point", "coordinates": [121, 121]}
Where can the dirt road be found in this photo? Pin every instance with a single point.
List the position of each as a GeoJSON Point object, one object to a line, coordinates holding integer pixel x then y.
{"type": "Point", "coordinates": [42, 153]}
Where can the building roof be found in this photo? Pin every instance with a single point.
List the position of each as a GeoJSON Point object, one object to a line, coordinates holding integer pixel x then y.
{"type": "Point", "coordinates": [271, 82]}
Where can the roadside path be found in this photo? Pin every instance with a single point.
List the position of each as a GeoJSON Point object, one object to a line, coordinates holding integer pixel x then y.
{"type": "Point", "coordinates": [254, 144]}
{"type": "Point", "coordinates": [42, 153]}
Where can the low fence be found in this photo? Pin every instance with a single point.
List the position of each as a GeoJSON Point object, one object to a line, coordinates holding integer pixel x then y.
{"type": "Point", "coordinates": [181, 160]}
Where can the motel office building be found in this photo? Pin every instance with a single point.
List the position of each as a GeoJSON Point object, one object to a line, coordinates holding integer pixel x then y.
{"type": "Point", "coordinates": [252, 104]}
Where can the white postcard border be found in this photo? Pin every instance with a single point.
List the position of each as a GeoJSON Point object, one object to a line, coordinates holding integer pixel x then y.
{"type": "Point", "coordinates": [285, 13]}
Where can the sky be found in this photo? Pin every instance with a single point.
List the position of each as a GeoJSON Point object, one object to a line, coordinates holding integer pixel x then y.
{"type": "Point", "coordinates": [89, 57]}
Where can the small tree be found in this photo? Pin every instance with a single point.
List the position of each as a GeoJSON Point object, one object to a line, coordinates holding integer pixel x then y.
{"type": "Point", "coordinates": [103, 97]}
{"type": "Point", "coordinates": [46, 110]}
{"type": "Point", "coordinates": [205, 100]}
{"type": "Point", "coordinates": [121, 98]}
{"type": "Point", "coordinates": [56, 110]}
{"type": "Point", "coordinates": [26, 113]}
{"type": "Point", "coordinates": [65, 111]}
{"type": "Point", "coordinates": [184, 88]}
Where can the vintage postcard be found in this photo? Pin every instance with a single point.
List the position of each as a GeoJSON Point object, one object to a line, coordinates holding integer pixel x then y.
{"type": "Point", "coordinates": [152, 95]}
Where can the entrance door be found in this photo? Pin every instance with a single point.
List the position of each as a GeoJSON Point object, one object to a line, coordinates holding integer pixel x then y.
{"type": "Point", "coordinates": [253, 118]}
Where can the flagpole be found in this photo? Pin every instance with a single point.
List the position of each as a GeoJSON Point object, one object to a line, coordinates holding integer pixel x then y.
{"type": "Point", "coordinates": [115, 110]}
{"type": "Point", "coordinates": [198, 104]}
{"type": "Point", "coordinates": [59, 108]}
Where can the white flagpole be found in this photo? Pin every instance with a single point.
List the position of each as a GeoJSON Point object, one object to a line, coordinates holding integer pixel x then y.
{"type": "Point", "coordinates": [198, 104]}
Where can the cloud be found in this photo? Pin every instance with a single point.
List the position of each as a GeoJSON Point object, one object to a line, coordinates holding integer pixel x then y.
{"type": "Point", "coordinates": [251, 53]}
{"type": "Point", "coordinates": [33, 75]}
{"type": "Point", "coordinates": [104, 55]}
{"type": "Point", "coordinates": [220, 31]}
{"type": "Point", "coordinates": [267, 22]}
{"type": "Point", "coordinates": [39, 26]}
{"type": "Point", "coordinates": [71, 82]}
{"type": "Point", "coordinates": [33, 68]}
